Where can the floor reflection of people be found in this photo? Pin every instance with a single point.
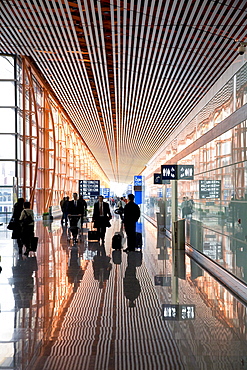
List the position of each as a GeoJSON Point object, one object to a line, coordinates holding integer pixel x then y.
{"type": "Point", "coordinates": [131, 284]}
{"type": "Point", "coordinates": [101, 266]}
{"type": "Point", "coordinates": [117, 257]}
{"type": "Point", "coordinates": [23, 281]}
{"type": "Point", "coordinates": [74, 271]}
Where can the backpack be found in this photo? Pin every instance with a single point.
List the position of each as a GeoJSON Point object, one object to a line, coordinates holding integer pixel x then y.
{"type": "Point", "coordinates": [27, 220]}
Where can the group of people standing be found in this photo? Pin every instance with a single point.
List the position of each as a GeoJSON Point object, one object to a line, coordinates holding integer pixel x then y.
{"type": "Point", "coordinates": [76, 206]}
{"type": "Point", "coordinates": [130, 215]}
{"type": "Point", "coordinates": [187, 207]}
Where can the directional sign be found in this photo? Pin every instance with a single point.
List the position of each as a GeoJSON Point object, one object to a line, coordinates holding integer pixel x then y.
{"type": "Point", "coordinates": [89, 188]}
{"type": "Point", "coordinates": [157, 178]}
{"type": "Point", "coordinates": [186, 172]}
{"type": "Point", "coordinates": [169, 172]}
{"type": "Point", "coordinates": [177, 172]}
{"type": "Point", "coordinates": [137, 180]}
{"type": "Point", "coordinates": [106, 192]}
{"type": "Point", "coordinates": [209, 189]}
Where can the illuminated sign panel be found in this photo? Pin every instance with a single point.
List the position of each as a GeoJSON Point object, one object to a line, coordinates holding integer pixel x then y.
{"type": "Point", "coordinates": [209, 189]}
{"type": "Point", "coordinates": [186, 172]}
{"type": "Point", "coordinates": [169, 172]}
{"type": "Point", "coordinates": [89, 188]}
{"type": "Point", "coordinates": [106, 192]}
{"type": "Point", "coordinates": [177, 172]}
{"type": "Point", "coordinates": [137, 180]}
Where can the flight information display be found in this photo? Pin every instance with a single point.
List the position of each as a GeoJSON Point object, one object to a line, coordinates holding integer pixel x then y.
{"type": "Point", "coordinates": [209, 189]}
{"type": "Point", "coordinates": [89, 188]}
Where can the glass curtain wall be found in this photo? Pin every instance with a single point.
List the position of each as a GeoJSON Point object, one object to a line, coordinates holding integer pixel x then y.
{"type": "Point", "coordinates": [42, 156]}
{"type": "Point", "coordinates": [216, 221]}
{"type": "Point", "coordinates": [8, 137]}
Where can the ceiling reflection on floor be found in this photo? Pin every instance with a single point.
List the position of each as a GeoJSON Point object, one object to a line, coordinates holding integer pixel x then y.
{"type": "Point", "coordinates": [88, 306]}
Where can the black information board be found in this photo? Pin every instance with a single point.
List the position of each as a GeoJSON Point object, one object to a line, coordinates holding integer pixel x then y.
{"type": "Point", "coordinates": [209, 189]}
{"type": "Point", "coordinates": [89, 188]}
{"type": "Point", "coordinates": [157, 178]}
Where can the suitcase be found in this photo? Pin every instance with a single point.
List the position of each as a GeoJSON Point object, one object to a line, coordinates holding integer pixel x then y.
{"type": "Point", "coordinates": [117, 241]}
{"type": "Point", "coordinates": [93, 236]}
{"type": "Point", "coordinates": [34, 244]}
{"type": "Point", "coordinates": [138, 240]}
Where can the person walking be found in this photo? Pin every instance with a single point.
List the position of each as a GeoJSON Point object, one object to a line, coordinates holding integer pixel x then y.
{"type": "Point", "coordinates": [16, 234]}
{"type": "Point", "coordinates": [101, 217]}
{"type": "Point", "coordinates": [75, 208]}
{"type": "Point", "coordinates": [84, 206]}
{"type": "Point", "coordinates": [27, 226]}
{"type": "Point", "coordinates": [121, 204]}
{"type": "Point", "coordinates": [131, 216]}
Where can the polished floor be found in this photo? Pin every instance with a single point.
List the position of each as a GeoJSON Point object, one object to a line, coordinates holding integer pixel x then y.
{"type": "Point", "coordinates": [88, 307]}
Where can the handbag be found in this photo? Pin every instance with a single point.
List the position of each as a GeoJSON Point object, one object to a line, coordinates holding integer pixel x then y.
{"type": "Point", "coordinates": [118, 211]}
{"type": "Point", "coordinates": [12, 224]}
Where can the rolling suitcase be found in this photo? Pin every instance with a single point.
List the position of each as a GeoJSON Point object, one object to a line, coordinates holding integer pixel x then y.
{"type": "Point", "coordinates": [117, 241]}
{"type": "Point", "coordinates": [138, 240]}
{"type": "Point", "coordinates": [93, 236]}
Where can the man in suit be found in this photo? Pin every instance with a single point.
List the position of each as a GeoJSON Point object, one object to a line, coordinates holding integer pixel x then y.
{"type": "Point", "coordinates": [101, 217]}
{"type": "Point", "coordinates": [131, 216]}
{"type": "Point", "coordinates": [75, 208]}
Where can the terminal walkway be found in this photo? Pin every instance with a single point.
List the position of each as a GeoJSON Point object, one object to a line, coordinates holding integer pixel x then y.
{"type": "Point", "coordinates": [86, 307]}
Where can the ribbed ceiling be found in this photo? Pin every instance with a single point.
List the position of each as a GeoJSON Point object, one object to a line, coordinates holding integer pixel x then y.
{"type": "Point", "coordinates": [127, 72]}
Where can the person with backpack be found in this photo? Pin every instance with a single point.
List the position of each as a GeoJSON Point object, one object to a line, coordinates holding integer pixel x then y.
{"type": "Point", "coordinates": [27, 226]}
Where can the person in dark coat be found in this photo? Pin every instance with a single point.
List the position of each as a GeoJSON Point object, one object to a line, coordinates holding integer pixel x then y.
{"type": "Point", "coordinates": [131, 216]}
{"type": "Point", "coordinates": [27, 228]}
{"type": "Point", "coordinates": [75, 207]}
{"type": "Point", "coordinates": [101, 217]}
{"type": "Point", "coordinates": [16, 234]}
{"type": "Point", "coordinates": [84, 205]}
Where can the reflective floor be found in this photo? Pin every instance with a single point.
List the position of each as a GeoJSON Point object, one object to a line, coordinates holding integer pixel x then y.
{"type": "Point", "coordinates": [88, 307]}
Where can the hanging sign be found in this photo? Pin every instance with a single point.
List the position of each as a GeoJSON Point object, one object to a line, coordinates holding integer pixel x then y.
{"type": "Point", "coordinates": [89, 188]}
{"type": "Point", "coordinates": [157, 178]}
{"type": "Point", "coordinates": [177, 172]}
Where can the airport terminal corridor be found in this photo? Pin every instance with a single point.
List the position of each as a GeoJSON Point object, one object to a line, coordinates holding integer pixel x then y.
{"type": "Point", "coordinates": [85, 306]}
